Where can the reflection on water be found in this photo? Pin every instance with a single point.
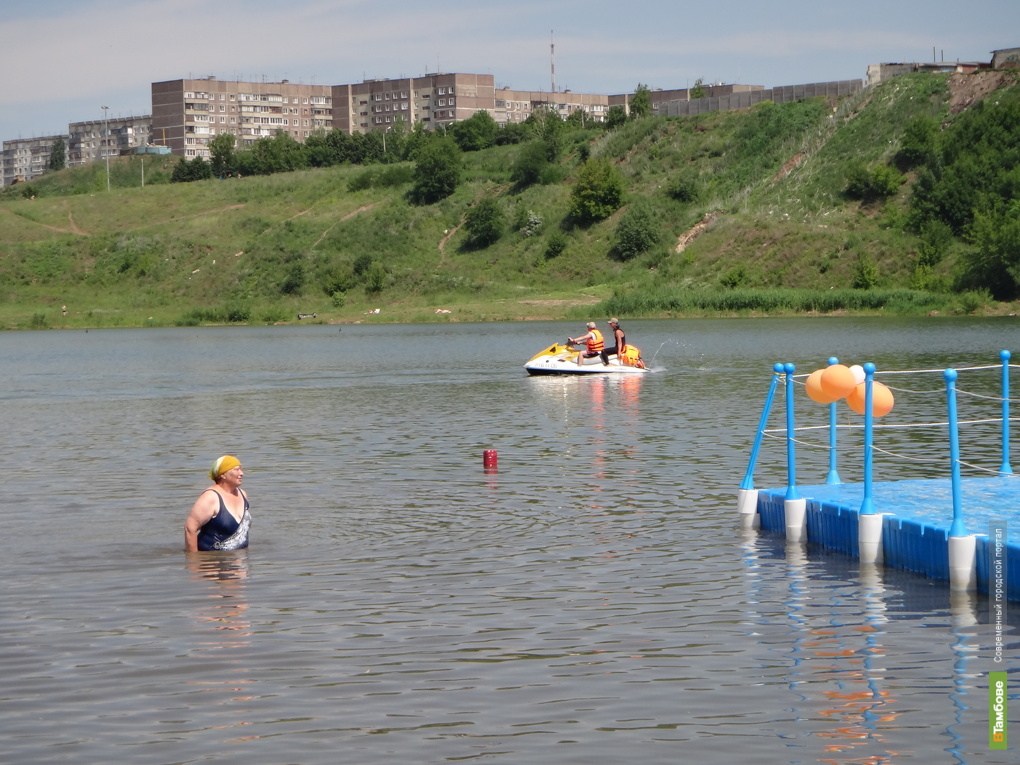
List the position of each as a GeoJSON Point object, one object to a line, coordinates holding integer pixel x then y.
{"type": "Point", "coordinates": [225, 605]}
{"type": "Point", "coordinates": [590, 600]}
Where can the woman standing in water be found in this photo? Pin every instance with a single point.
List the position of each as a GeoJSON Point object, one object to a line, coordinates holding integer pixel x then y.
{"type": "Point", "coordinates": [219, 519]}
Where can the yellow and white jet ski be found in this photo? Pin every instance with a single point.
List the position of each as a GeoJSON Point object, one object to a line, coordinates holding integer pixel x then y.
{"type": "Point", "coordinates": [561, 359]}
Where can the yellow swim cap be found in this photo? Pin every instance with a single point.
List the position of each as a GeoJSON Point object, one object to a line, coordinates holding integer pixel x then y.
{"type": "Point", "coordinates": [222, 465]}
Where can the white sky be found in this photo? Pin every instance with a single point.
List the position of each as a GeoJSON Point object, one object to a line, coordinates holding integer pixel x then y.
{"type": "Point", "coordinates": [61, 60]}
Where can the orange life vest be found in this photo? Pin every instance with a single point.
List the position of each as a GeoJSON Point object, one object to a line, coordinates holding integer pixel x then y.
{"type": "Point", "coordinates": [594, 342]}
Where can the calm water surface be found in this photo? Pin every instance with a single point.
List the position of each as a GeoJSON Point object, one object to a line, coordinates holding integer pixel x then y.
{"type": "Point", "coordinates": [591, 601]}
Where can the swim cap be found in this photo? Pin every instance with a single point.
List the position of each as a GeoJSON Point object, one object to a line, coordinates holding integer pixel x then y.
{"type": "Point", "coordinates": [222, 465]}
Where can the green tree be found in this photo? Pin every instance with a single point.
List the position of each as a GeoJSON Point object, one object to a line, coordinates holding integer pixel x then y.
{"type": "Point", "coordinates": [917, 144]}
{"type": "Point", "coordinates": [636, 233]}
{"type": "Point", "coordinates": [437, 171]}
{"type": "Point", "coordinates": [994, 262]}
{"type": "Point", "coordinates": [278, 154]}
{"type": "Point", "coordinates": [511, 133]}
{"type": "Point", "coordinates": [221, 152]}
{"type": "Point", "coordinates": [58, 155]}
{"type": "Point", "coordinates": [195, 170]}
{"type": "Point", "coordinates": [685, 187]}
{"type": "Point", "coordinates": [416, 139]}
{"type": "Point", "coordinates": [616, 116]}
{"type": "Point", "coordinates": [598, 192]}
{"type": "Point", "coordinates": [485, 222]}
{"type": "Point", "coordinates": [872, 185]}
{"type": "Point", "coordinates": [865, 273]}
{"type": "Point", "coordinates": [641, 102]}
{"type": "Point", "coordinates": [698, 91]}
{"type": "Point", "coordinates": [579, 118]}
{"type": "Point", "coordinates": [532, 160]}
{"type": "Point", "coordinates": [976, 165]}
{"type": "Point", "coordinates": [475, 133]}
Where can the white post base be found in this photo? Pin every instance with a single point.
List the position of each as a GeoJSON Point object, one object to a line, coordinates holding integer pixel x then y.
{"type": "Point", "coordinates": [869, 538]}
{"type": "Point", "coordinates": [747, 505]}
{"type": "Point", "coordinates": [796, 524]}
{"type": "Point", "coordinates": [962, 563]}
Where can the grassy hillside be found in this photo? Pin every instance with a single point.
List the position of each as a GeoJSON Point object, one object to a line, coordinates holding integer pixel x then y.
{"type": "Point", "coordinates": [741, 212]}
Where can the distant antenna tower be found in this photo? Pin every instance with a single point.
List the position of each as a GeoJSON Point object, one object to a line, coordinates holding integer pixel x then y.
{"type": "Point", "coordinates": [552, 61]}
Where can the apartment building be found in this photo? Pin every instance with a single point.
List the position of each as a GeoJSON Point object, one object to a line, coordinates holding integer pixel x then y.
{"type": "Point", "coordinates": [24, 159]}
{"type": "Point", "coordinates": [512, 106]}
{"type": "Point", "coordinates": [434, 99]}
{"type": "Point", "coordinates": [187, 114]}
{"type": "Point", "coordinates": [441, 99]}
{"type": "Point", "coordinates": [94, 140]}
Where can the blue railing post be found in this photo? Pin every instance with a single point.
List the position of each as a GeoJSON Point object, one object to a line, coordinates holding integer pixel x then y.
{"type": "Point", "coordinates": [833, 476]}
{"type": "Point", "coordinates": [791, 453]}
{"type": "Point", "coordinates": [1005, 468]}
{"type": "Point", "coordinates": [957, 529]}
{"type": "Point", "coordinates": [748, 482]}
{"type": "Point", "coordinates": [868, 503]}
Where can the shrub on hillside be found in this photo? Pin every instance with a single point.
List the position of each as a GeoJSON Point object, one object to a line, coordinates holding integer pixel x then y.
{"type": "Point", "coordinates": [598, 192]}
{"type": "Point", "coordinates": [531, 160]}
{"type": "Point", "coordinates": [872, 185]}
{"type": "Point", "coordinates": [685, 187]}
{"type": "Point", "coordinates": [917, 145]}
{"type": "Point", "coordinates": [636, 233]}
{"type": "Point", "coordinates": [485, 222]}
{"type": "Point", "coordinates": [196, 169]}
{"type": "Point", "coordinates": [556, 245]}
{"type": "Point", "coordinates": [437, 171]}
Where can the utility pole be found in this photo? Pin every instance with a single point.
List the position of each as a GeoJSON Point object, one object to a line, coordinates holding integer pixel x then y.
{"type": "Point", "coordinates": [106, 119]}
{"type": "Point", "coordinates": [552, 61]}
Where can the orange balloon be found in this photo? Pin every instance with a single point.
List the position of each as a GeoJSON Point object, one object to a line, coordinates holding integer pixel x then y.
{"type": "Point", "coordinates": [881, 399]}
{"type": "Point", "coordinates": [813, 386]}
{"type": "Point", "coordinates": [838, 381]}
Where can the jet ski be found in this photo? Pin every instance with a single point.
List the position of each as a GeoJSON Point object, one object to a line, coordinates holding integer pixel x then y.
{"type": "Point", "coordinates": [559, 359]}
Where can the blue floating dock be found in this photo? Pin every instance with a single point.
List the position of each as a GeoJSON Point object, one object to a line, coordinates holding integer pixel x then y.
{"type": "Point", "coordinates": [964, 530]}
{"type": "Point", "coordinates": [916, 518]}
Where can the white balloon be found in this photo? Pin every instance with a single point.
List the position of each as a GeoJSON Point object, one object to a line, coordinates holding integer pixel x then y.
{"type": "Point", "coordinates": [858, 371]}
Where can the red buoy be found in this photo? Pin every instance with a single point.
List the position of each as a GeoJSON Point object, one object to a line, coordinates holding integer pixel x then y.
{"type": "Point", "coordinates": [489, 459]}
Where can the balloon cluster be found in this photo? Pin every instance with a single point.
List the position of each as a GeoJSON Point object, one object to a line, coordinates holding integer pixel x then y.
{"type": "Point", "coordinates": [838, 381]}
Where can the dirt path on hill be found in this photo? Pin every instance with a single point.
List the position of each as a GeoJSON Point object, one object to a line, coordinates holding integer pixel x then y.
{"type": "Point", "coordinates": [348, 216]}
{"type": "Point", "coordinates": [71, 229]}
{"type": "Point", "coordinates": [74, 226]}
{"type": "Point", "coordinates": [688, 236]}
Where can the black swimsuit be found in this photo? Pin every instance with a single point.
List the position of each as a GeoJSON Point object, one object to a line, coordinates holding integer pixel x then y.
{"type": "Point", "coordinates": [223, 531]}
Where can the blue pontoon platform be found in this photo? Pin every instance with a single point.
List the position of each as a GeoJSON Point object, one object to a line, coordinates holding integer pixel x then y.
{"type": "Point", "coordinates": [962, 529]}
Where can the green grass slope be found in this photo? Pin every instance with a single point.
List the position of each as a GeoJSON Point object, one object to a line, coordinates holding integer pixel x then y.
{"type": "Point", "coordinates": [740, 213]}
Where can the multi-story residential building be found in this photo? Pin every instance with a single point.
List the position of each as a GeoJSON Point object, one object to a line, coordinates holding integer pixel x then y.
{"type": "Point", "coordinates": [187, 114]}
{"type": "Point", "coordinates": [24, 159]}
{"type": "Point", "coordinates": [94, 140]}
{"type": "Point", "coordinates": [442, 99]}
{"type": "Point", "coordinates": [517, 105]}
{"type": "Point", "coordinates": [435, 99]}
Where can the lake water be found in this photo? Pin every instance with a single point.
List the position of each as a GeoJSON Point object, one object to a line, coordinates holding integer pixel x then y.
{"type": "Point", "coordinates": [591, 601]}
